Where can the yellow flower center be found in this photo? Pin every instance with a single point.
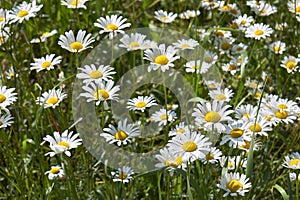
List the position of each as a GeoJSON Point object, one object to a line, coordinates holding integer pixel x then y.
{"type": "Point", "coordinates": [257, 95]}
{"type": "Point", "coordinates": [96, 74]}
{"type": "Point", "coordinates": [212, 116]}
{"type": "Point", "coordinates": [263, 11]}
{"type": "Point", "coordinates": [220, 97]}
{"type": "Point", "coordinates": [277, 48]}
{"type": "Point", "coordinates": [122, 176]}
{"type": "Point", "coordinates": [23, 13]}
{"type": "Point", "coordinates": [243, 22]}
{"type": "Point", "coordinates": [189, 146]}
{"type": "Point", "coordinates": [208, 59]}
{"type": "Point", "coordinates": [196, 67]}
{"type": "Point", "coordinates": [1, 19]}
{"type": "Point", "coordinates": [257, 128]}
{"type": "Point", "coordinates": [2, 98]}
{"type": "Point", "coordinates": [234, 185]}
{"type": "Point", "coordinates": [164, 18]}
{"type": "Point", "coordinates": [290, 65]}
{"type": "Point", "coordinates": [162, 60]}
{"type": "Point", "coordinates": [281, 114]}
{"type": "Point", "coordinates": [185, 46]}
{"type": "Point", "coordinates": [74, 3]}
{"type": "Point", "coordinates": [134, 44]}
{"type": "Point", "coordinates": [1, 123]}
{"type": "Point", "coordinates": [246, 145]}
{"type": "Point", "coordinates": [46, 64]}
{"type": "Point", "coordinates": [120, 135]}
{"type": "Point", "coordinates": [231, 67]}
{"type": "Point", "coordinates": [234, 26]}
{"type": "Point", "coordinates": [258, 32]}
{"type": "Point", "coordinates": [297, 9]}
{"type": "Point", "coordinates": [225, 8]}
{"type": "Point", "coordinates": [294, 162]}
{"type": "Point", "coordinates": [140, 104]}
{"type": "Point", "coordinates": [103, 93]}
{"type": "Point", "coordinates": [45, 34]}
{"type": "Point", "coordinates": [111, 27]}
{"type": "Point", "coordinates": [236, 133]}
{"type": "Point", "coordinates": [219, 33]}
{"type": "Point", "coordinates": [246, 115]}
{"type": "Point", "coordinates": [76, 45]}
{"type": "Point", "coordinates": [52, 100]}
{"type": "Point", "coordinates": [54, 170]}
{"type": "Point", "coordinates": [229, 165]}
{"type": "Point", "coordinates": [180, 130]}
{"type": "Point", "coordinates": [225, 46]}
{"type": "Point", "coordinates": [63, 143]}
{"type": "Point", "coordinates": [282, 106]}
{"type": "Point", "coordinates": [209, 156]}
{"type": "Point", "coordinates": [178, 161]}
{"type": "Point", "coordinates": [163, 117]}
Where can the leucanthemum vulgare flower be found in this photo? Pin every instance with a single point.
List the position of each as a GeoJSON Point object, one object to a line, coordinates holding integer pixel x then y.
{"type": "Point", "coordinates": [172, 106]}
{"type": "Point", "coordinates": [221, 94]}
{"type": "Point", "coordinates": [24, 11]}
{"type": "Point", "coordinates": [135, 41]}
{"type": "Point", "coordinates": [141, 103]}
{"type": "Point", "coordinates": [189, 14]}
{"type": "Point", "coordinates": [43, 36]}
{"type": "Point", "coordinates": [123, 174]}
{"type": "Point", "coordinates": [180, 128]}
{"type": "Point", "coordinates": [163, 117]}
{"type": "Point", "coordinates": [224, 45]}
{"type": "Point", "coordinates": [4, 17]}
{"type": "Point", "coordinates": [219, 34]}
{"type": "Point", "coordinates": [52, 98]}
{"type": "Point", "coordinates": [261, 127]}
{"type": "Point", "coordinates": [292, 161]}
{"type": "Point", "coordinates": [245, 112]}
{"type": "Point", "coordinates": [45, 63]}
{"type": "Point", "coordinates": [167, 158]}
{"type": "Point", "coordinates": [258, 31]}
{"type": "Point", "coordinates": [246, 145]}
{"type": "Point", "coordinates": [233, 162]}
{"type": "Point", "coordinates": [265, 9]}
{"type": "Point", "coordinates": [243, 21]}
{"type": "Point", "coordinates": [211, 116]}
{"type": "Point", "coordinates": [164, 16]}
{"type": "Point", "coordinates": [56, 172]}
{"type": "Point", "coordinates": [194, 66]}
{"type": "Point", "coordinates": [293, 176]}
{"type": "Point", "coordinates": [91, 73]}
{"type": "Point", "coordinates": [212, 84]}
{"type": "Point", "coordinates": [294, 6]}
{"type": "Point", "coordinates": [4, 34]}
{"type": "Point", "coordinates": [212, 156]}
{"type": "Point", "coordinates": [161, 57]}
{"type": "Point", "coordinates": [7, 97]}
{"type": "Point", "coordinates": [74, 3]}
{"type": "Point", "coordinates": [210, 5]}
{"type": "Point", "coordinates": [11, 74]}
{"type": "Point", "coordinates": [78, 44]}
{"type": "Point", "coordinates": [191, 146]}
{"type": "Point", "coordinates": [185, 44]}
{"type": "Point", "coordinates": [236, 134]}
{"type": "Point", "coordinates": [122, 134]}
{"type": "Point", "coordinates": [277, 47]}
{"type": "Point", "coordinates": [101, 92]}
{"type": "Point", "coordinates": [62, 143]}
{"type": "Point", "coordinates": [6, 120]}
{"type": "Point", "coordinates": [239, 48]}
{"type": "Point", "coordinates": [112, 25]}
{"type": "Point", "coordinates": [229, 8]}
{"type": "Point", "coordinates": [234, 184]}
{"type": "Point", "coordinates": [231, 67]}
{"type": "Point", "coordinates": [290, 63]}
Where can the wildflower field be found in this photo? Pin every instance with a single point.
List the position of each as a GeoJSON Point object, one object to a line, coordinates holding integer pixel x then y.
{"type": "Point", "coordinates": [149, 99]}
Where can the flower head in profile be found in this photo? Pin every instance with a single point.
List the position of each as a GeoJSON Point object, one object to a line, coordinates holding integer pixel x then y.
{"type": "Point", "coordinates": [123, 174]}
{"type": "Point", "coordinates": [290, 63]}
{"type": "Point", "coordinates": [212, 156]}
{"type": "Point", "coordinates": [74, 3]}
{"type": "Point", "coordinates": [56, 172]}
{"type": "Point", "coordinates": [292, 161]}
{"type": "Point", "coordinates": [91, 73]}
{"type": "Point", "coordinates": [277, 47]}
{"type": "Point", "coordinates": [161, 57]}
{"type": "Point", "coordinates": [7, 97]}
{"type": "Point", "coordinates": [167, 158]}
{"type": "Point", "coordinates": [122, 134]}
{"type": "Point", "coordinates": [24, 11]}
{"type": "Point", "coordinates": [189, 14]}
{"type": "Point", "coordinates": [258, 31]}
{"type": "Point", "coordinates": [52, 98]}
{"type": "Point", "coordinates": [112, 25]}
{"type": "Point", "coordinates": [234, 184]}
{"type": "Point", "coordinates": [6, 120]}
{"type": "Point", "coordinates": [164, 16]}
{"type": "Point", "coordinates": [185, 44]}
{"type": "Point", "coordinates": [4, 17]}
{"type": "Point", "coordinates": [221, 94]}
{"type": "Point", "coordinates": [164, 116]}
{"type": "Point", "coordinates": [45, 63]}
{"type": "Point", "coordinates": [62, 143]}
{"type": "Point", "coordinates": [180, 128]}
{"type": "Point", "coordinates": [141, 103]}
{"type": "Point", "coordinates": [78, 44]}
{"type": "Point", "coordinates": [44, 36]}
{"type": "Point", "coordinates": [134, 41]}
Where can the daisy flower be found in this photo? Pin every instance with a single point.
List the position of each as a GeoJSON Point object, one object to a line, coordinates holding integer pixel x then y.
{"type": "Point", "coordinates": [293, 176]}
{"type": "Point", "coordinates": [243, 21]}
{"type": "Point", "coordinates": [140, 103]}
{"type": "Point", "coordinates": [123, 174]}
{"type": "Point", "coordinates": [213, 156]}
{"type": "Point", "coordinates": [52, 98]}
{"type": "Point", "coordinates": [233, 162]}
{"type": "Point", "coordinates": [45, 63]}
{"type": "Point", "coordinates": [212, 115]}
{"type": "Point", "coordinates": [62, 143]}
{"type": "Point", "coordinates": [180, 128]}
{"type": "Point", "coordinates": [221, 94]}
{"type": "Point", "coordinates": [56, 172]}
{"type": "Point", "coordinates": [234, 184]}
{"type": "Point", "coordinates": [91, 73]}
{"type": "Point", "coordinates": [294, 6]}
{"type": "Point", "coordinates": [236, 134]}
{"type": "Point", "coordinates": [254, 3]}
{"type": "Point", "coordinates": [4, 17]}
{"type": "Point", "coordinates": [10, 74]}
{"type": "Point", "coordinates": [101, 92]}
{"type": "Point", "coordinates": [290, 63]}
{"type": "Point", "coordinates": [164, 16]}
{"type": "Point", "coordinates": [210, 4]}
{"type": "Point", "coordinates": [219, 34]}
{"type": "Point", "coordinates": [7, 97]}
{"type": "Point", "coordinates": [229, 8]}
{"type": "Point", "coordinates": [194, 66]}
{"type": "Point", "coordinates": [112, 25]}
{"type": "Point", "coordinates": [74, 3]}
{"type": "Point", "coordinates": [261, 127]}
{"type": "Point", "coordinates": [224, 45]}
{"type": "Point", "coordinates": [6, 120]}
{"type": "Point", "coordinates": [163, 117]}
{"type": "Point", "coordinates": [189, 14]}
{"type": "Point", "coordinates": [43, 36]}
{"type": "Point", "coordinates": [185, 44]}
{"type": "Point", "coordinates": [212, 84]}
{"type": "Point", "coordinates": [77, 45]}
{"type": "Point", "coordinates": [167, 158]}
{"type": "Point", "coordinates": [265, 9]}
{"type": "Point", "coordinates": [245, 112]}
{"type": "Point", "coordinates": [231, 67]}
{"type": "Point", "coordinates": [135, 41]}
{"type": "Point", "coordinates": [4, 34]}
{"type": "Point", "coordinates": [258, 31]}
{"type": "Point", "coordinates": [24, 11]}
{"type": "Point", "coordinates": [277, 47]}
{"type": "Point", "coordinates": [292, 161]}
{"type": "Point", "coordinates": [121, 134]}
{"type": "Point", "coordinates": [191, 146]}
{"type": "Point", "coordinates": [246, 145]}
{"type": "Point", "coordinates": [239, 48]}
{"type": "Point", "coordinates": [172, 106]}
{"type": "Point", "coordinates": [161, 57]}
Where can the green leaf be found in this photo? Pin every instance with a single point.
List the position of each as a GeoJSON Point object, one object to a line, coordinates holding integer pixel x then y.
{"type": "Point", "coordinates": [283, 193]}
